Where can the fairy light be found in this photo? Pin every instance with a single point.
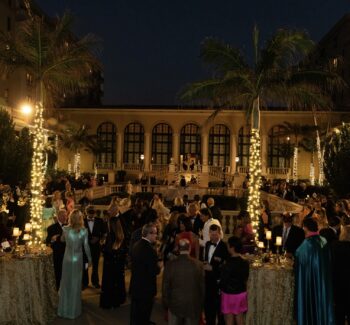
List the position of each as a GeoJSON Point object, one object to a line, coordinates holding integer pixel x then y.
{"type": "Point", "coordinates": [295, 165]}
{"type": "Point", "coordinates": [255, 180]}
{"type": "Point", "coordinates": [77, 165]}
{"type": "Point", "coordinates": [312, 174]}
{"type": "Point", "coordinates": [320, 159]}
{"type": "Point", "coordinates": [37, 177]}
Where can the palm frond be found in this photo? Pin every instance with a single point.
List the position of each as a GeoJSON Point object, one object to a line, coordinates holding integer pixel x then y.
{"type": "Point", "coordinates": [221, 56]}
{"type": "Point", "coordinates": [285, 49]}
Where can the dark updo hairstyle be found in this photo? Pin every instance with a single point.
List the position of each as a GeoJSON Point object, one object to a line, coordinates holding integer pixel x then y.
{"type": "Point", "coordinates": [186, 221]}
{"type": "Point", "coordinates": [206, 212]}
{"type": "Point", "coordinates": [236, 243]}
{"type": "Point", "coordinates": [310, 224]}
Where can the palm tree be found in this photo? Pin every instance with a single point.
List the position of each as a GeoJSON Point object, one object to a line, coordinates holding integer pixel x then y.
{"type": "Point", "coordinates": [312, 145]}
{"type": "Point", "coordinates": [274, 78]}
{"type": "Point", "coordinates": [75, 138]}
{"type": "Point", "coordinates": [295, 131]}
{"type": "Point", "coordinates": [59, 64]}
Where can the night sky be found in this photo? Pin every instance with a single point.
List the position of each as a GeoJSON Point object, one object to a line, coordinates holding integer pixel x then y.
{"type": "Point", "coordinates": [151, 47]}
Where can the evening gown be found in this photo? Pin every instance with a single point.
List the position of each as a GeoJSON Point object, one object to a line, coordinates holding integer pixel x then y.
{"type": "Point", "coordinates": [113, 292]}
{"type": "Point", "coordinates": [69, 305]}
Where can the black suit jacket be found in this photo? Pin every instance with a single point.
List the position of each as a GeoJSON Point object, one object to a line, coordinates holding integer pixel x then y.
{"type": "Point", "coordinates": [57, 245]}
{"type": "Point", "coordinates": [329, 234]}
{"type": "Point", "coordinates": [144, 270]}
{"type": "Point", "coordinates": [295, 237]}
{"type": "Point", "coordinates": [98, 232]}
{"type": "Point", "coordinates": [219, 257]}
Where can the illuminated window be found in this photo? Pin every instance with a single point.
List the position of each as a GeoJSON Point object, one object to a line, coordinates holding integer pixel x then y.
{"type": "Point", "coordinates": [190, 140]}
{"type": "Point", "coordinates": [219, 146]}
{"type": "Point", "coordinates": [106, 134]}
{"type": "Point", "coordinates": [243, 146]}
{"type": "Point", "coordinates": [133, 143]}
{"type": "Point", "coordinates": [162, 142]}
{"type": "Point", "coordinates": [280, 150]}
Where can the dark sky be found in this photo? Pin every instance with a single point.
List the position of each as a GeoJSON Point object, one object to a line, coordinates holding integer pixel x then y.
{"type": "Point", "coordinates": [151, 47]}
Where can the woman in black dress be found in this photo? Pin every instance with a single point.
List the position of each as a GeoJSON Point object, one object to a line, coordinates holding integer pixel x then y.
{"type": "Point", "coordinates": [113, 292]}
{"type": "Point", "coordinates": [341, 271]}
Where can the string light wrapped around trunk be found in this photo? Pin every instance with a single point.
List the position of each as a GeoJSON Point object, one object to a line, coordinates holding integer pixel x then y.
{"type": "Point", "coordinates": [254, 180]}
{"type": "Point", "coordinates": [37, 177]}
{"type": "Point", "coordinates": [295, 165]}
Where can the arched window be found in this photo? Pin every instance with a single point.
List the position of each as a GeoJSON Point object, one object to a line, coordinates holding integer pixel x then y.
{"type": "Point", "coordinates": [106, 133]}
{"type": "Point", "coordinates": [133, 142]}
{"type": "Point", "coordinates": [190, 141]}
{"type": "Point", "coordinates": [243, 146]}
{"type": "Point", "coordinates": [280, 150]}
{"type": "Point", "coordinates": [219, 146]}
{"type": "Point", "coordinates": [162, 143]}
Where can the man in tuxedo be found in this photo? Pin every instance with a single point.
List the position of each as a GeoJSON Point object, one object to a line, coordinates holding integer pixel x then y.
{"type": "Point", "coordinates": [292, 236]}
{"type": "Point", "coordinates": [215, 254]}
{"type": "Point", "coordinates": [144, 270]}
{"type": "Point", "coordinates": [53, 239]}
{"type": "Point", "coordinates": [97, 233]}
{"type": "Point", "coordinates": [215, 211]}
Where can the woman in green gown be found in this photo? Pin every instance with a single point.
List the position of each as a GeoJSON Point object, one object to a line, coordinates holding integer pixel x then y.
{"type": "Point", "coordinates": [76, 236]}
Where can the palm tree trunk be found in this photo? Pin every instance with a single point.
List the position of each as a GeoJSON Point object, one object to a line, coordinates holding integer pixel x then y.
{"type": "Point", "coordinates": [255, 168]}
{"type": "Point", "coordinates": [38, 167]}
{"type": "Point", "coordinates": [77, 161]}
{"type": "Point", "coordinates": [295, 165]}
{"type": "Point", "coordinates": [312, 169]}
{"type": "Point", "coordinates": [319, 151]}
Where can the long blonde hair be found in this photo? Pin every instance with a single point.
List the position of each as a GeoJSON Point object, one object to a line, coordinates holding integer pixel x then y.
{"type": "Point", "coordinates": [116, 229]}
{"type": "Point", "coordinates": [76, 220]}
{"type": "Point", "coordinates": [344, 233]}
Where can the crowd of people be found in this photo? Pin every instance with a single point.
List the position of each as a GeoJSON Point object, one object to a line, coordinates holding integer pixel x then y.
{"type": "Point", "coordinates": [205, 276]}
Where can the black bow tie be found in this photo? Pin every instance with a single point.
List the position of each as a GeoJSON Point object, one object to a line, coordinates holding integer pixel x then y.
{"type": "Point", "coordinates": [213, 244]}
{"type": "Point", "coordinates": [91, 219]}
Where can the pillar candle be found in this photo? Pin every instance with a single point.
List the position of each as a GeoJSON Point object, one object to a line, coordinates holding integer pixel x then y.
{"type": "Point", "coordinates": [278, 241]}
{"type": "Point", "coordinates": [268, 235]}
{"type": "Point", "coordinates": [15, 232]}
{"type": "Point", "coordinates": [28, 227]}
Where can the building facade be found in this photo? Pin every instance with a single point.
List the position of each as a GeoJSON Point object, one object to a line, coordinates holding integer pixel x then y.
{"type": "Point", "coordinates": [166, 142]}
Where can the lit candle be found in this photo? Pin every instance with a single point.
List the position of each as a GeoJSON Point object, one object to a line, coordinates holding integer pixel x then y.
{"type": "Point", "coordinates": [26, 237]}
{"type": "Point", "coordinates": [261, 244]}
{"type": "Point", "coordinates": [28, 227]}
{"type": "Point", "coordinates": [278, 241]}
{"type": "Point", "coordinates": [268, 235]}
{"type": "Point", "coordinates": [15, 232]}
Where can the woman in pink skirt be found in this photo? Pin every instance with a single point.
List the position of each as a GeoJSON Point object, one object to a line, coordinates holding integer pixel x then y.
{"type": "Point", "coordinates": [233, 284]}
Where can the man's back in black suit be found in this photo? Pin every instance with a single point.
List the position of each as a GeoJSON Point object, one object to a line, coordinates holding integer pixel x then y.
{"type": "Point", "coordinates": [53, 239]}
{"type": "Point", "coordinates": [295, 237]}
{"type": "Point", "coordinates": [144, 270]}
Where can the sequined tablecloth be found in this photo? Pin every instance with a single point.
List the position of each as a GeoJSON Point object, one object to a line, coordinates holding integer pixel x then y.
{"type": "Point", "coordinates": [27, 290]}
{"type": "Point", "coordinates": [270, 295]}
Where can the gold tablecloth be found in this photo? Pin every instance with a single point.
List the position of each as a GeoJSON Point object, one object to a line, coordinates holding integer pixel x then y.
{"type": "Point", "coordinates": [27, 290]}
{"type": "Point", "coordinates": [270, 296]}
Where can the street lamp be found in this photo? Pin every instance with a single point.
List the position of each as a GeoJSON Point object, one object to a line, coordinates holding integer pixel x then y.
{"type": "Point", "coordinates": [142, 157]}
{"type": "Point", "coordinates": [237, 161]}
{"type": "Point", "coordinates": [26, 109]}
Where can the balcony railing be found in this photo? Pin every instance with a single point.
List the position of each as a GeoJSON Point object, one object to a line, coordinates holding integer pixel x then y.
{"type": "Point", "coordinates": [243, 169]}
{"type": "Point", "coordinates": [278, 170]}
{"type": "Point", "coordinates": [132, 166]}
{"type": "Point", "coordinates": [159, 167]}
{"type": "Point", "coordinates": [105, 165]}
